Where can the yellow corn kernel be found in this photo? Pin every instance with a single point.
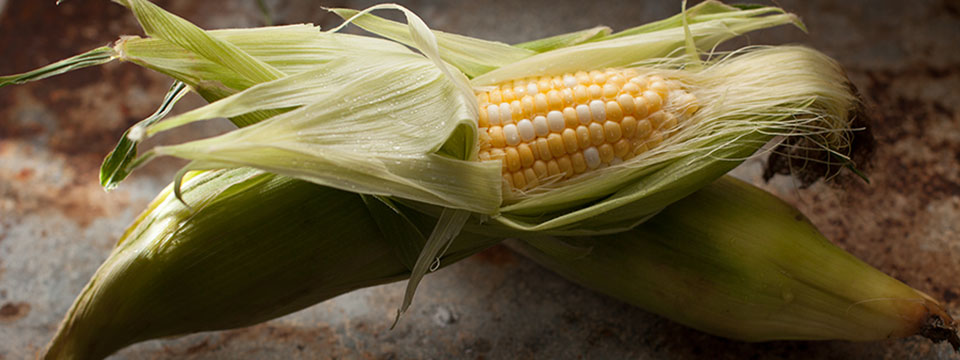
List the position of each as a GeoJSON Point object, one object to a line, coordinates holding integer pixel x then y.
{"type": "Point", "coordinates": [570, 117]}
{"type": "Point", "coordinates": [540, 167]}
{"type": "Point", "coordinates": [617, 80]}
{"type": "Point", "coordinates": [621, 147]}
{"type": "Point", "coordinates": [606, 153]}
{"type": "Point", "coordinates": [496, 137]}
{"type": "Point", "coordinates": [495, 96]}
{"type": "Point", "coordinates": [512, 160]}
{"type": "Point", "coordinates": [610, 91]}
{"type": "Point", "coordinates": [566, 166]}
{"type": "Point", "coordinates": [543, 149]}
{"type": "Point", "coordinates": [567, 96]}
{"type": "Point", "coordinates": [553, 100]}
{"type": "Point", "coordinates": [540, 106]}
{"type": "Point", "coordinates": [583, 77]}
{"type": "Point", "coordinates": [611, 131]}
{"type": "Point", "coordinates": [508, 181]}
{"type": "Point", "coordinates": [553, 169]}
{"type": "Point", "coordinates": [570, 140]}
{"type": "Point", "coordinates": [519, 181]}
{"type": "Point", "coordinates": [613, 111]}
{"type": "Point", "coordinates": [598, 77]}
{"type": "Point", "coordinates": [596, 134]}
{"type": "Point", "coordinates": [654, 101]}
{"type": "Point", "coordinates": [483, 121]}
{"type": "Point", "coordinates": [531, 177]}
{"type": "Point", "coordinates": [629, 126]}
{"type": "Point", "coordinates": [516, 110]}
{"type": "Point", "coordinates": [527, 103]}
{"type": "Point", "coordinates": [507, 95]}
{"type": "Point", "coordinates": [557, 144]}
{"type": "Point", "coordinates": [580, 95]}
{"type": "Point", "coordinates": [526, 155]}
{"type": "Point", "coordinates": [583, 138]}
{"type": "Point", "coordinates": [595, 91]}
{"type": "Point", "coordinates": [578, 162]}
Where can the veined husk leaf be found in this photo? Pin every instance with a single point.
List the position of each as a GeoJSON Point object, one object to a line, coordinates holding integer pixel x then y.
{"type": "Point", "coordinates": [162, 24]}
{"type": "Point", "coordinates": [471, 55]}
{"type": "Point", "coordinates": [565, 40]}
{"type": "Point", "coordinates": [98, 56]}
{"type": "Point", "coordinates": [347, 144]}
{"type": "Point", "coordinates": [737, 262]}
{"type": "Point", "coordinates": [253, 246]}
{"type": "Point", "coordinates": [705, 11]}
{"type": "Point", "coordinates": [371, 125]}
{"type": "Point", "coordinates": [637, 49]}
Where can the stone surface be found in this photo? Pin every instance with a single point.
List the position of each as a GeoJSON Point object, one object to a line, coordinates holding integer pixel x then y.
{"type": "Point", "coordinates": [57, 225]}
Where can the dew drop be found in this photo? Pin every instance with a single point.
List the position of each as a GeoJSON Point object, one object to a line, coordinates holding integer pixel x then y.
{"type": "Point", "coordinates": [787, 295]}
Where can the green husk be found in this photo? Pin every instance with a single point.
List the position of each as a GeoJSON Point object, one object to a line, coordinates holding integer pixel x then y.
{"type": "Point", "coordinates": [565, 40]}
{"type": "Point", "coordinates": [254, 246]}
{"type": "Point", "coordinates": [737, 262]}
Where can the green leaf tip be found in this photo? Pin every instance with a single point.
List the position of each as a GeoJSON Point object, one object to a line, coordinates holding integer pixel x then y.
{"type": "Point", "coordinates": [118, 164]}
{"type": "Point", "coordinates": [98, 56]}
{"type": "Point", "coordinates": [449, 224]}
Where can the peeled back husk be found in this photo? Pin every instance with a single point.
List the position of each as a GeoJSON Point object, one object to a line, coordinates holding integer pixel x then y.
{"type": "Point", "coordinates": [737, 262]}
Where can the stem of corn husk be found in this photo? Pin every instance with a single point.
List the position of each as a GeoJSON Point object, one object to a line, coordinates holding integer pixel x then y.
{"type": "Point", "coordinates": [254, 246]}
{"type": "Point", "coordinates": [737, 262]}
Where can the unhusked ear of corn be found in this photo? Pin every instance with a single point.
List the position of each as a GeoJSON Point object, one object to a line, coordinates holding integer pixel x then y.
{"type": "Point", "coordinates": [254, 246]}
{"type": "Point", "coordinates": [737, 262]}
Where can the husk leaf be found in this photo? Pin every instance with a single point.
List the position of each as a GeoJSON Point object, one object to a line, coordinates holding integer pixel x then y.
{"type": "Point", "coordinates": [737, 262]}
{"type": "Point", "coordinates": [253, 246]}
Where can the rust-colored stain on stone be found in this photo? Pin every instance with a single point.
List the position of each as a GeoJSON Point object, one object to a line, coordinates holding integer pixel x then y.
{"type": "Point", "coordinates": [306, 339]}
{"type": "Point", "coordinates": [10, 312]}
{"type": "Point", "coordinates": [497, 255]}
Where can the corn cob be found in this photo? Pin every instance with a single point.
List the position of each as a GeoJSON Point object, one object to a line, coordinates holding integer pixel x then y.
{"type": "Point", "coordinates": [552, 128]}
{"type": "Point", "coordinates": [243, 81]}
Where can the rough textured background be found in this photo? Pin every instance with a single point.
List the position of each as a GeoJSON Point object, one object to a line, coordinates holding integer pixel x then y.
{"type": "Point", "coordinates": [57, 225]}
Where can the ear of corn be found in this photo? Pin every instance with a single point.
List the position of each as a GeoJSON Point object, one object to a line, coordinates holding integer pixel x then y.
{"type": "Point", "coordinates": [420, 141]}
{"type": "Point", "coordinates": [736, 262]}
{"type": "Point", "coordinates": [252, 247]}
